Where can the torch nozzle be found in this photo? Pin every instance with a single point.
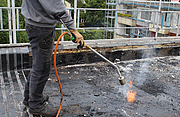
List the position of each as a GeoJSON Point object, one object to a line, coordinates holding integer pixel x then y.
{"type": "Point", "coordinates": [122, 80]}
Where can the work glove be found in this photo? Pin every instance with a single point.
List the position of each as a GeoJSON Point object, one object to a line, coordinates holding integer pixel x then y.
{"type": "Point", "coordinates": [78, 38]}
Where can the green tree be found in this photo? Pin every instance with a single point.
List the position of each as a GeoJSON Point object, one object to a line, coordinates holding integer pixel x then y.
{"type": "Point", "coordinates": [3, 3]}
{"type": "Point", "coordinates": [94, 18]}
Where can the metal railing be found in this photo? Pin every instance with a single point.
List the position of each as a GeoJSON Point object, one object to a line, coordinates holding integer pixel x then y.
{"type": "Point", "coordinates": [13, 22]}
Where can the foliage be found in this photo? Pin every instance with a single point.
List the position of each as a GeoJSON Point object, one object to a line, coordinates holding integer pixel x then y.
{"type": "Point", "coordinates": [124, 15]}
{"type": "Point", "coordinates": [3, 3]}
{"type": "Point", "coordinates": [94, 18]}
{"type": "Point", "coordinates": [18, 3]}
{"type": "Point", "coordinates": [93, 34]}
{"type": "Point", "coordinates": [22, 37]}
{"type": "Point", "coordinates": [4, 38]}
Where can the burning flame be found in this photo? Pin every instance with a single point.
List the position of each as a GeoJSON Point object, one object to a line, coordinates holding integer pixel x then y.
{"type": "Point", "coordinates": [131, 94]}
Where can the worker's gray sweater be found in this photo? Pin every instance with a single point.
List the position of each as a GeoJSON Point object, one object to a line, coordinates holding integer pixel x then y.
{"type": "Point", "coordinates": [40, 13]}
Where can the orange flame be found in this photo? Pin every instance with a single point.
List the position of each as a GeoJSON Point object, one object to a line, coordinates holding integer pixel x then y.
{"type": "Point", "coordinates": [131, 94]}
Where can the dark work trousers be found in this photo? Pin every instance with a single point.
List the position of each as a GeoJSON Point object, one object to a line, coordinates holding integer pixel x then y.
{"type": "Point", "coordinates": [42, 42]}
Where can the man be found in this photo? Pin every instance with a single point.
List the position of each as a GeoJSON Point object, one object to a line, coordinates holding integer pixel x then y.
{"type": "Point", "coordinates": [41, 17]}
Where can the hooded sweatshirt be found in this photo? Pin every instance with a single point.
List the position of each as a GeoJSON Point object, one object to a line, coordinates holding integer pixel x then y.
{"type": "Point", "coordinates": [41, 13]}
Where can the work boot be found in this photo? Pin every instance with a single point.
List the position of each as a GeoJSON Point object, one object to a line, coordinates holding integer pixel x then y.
{"type": "Point", "coordinates": [44, 110]}
{"type": "Point", "coordinates": [25, 101]}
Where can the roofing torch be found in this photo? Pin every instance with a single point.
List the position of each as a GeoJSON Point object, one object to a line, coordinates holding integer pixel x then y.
{"type": "Point", "coordinates": [121, 78]}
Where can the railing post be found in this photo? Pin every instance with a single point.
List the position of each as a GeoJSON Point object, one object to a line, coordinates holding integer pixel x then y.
{"type": "Point", "coordinates": [75, 9]}
{"type": "Point", "coordinates": [17, 12]}
{"type": "Point", "coordinates": [9, 20]}
{"type": "Point", "coordinates": [70, 12]}
{"type": "Point", "coordinates": [116, 15]}
{"type": "Point", "coordinates": [1, 19]}
{"type": "Point", "coordinates": [62, 26]}
{"type": "Point", "coordinates": [78, 19]}
{"type": "Point", "coordinates": [14, 21]}
{"type": "Point", "coordinates": [177, 33]}
{"type": "Point", "coordinates": [157, 24]}
{"type": "Point", "coordinates": [162, 22]}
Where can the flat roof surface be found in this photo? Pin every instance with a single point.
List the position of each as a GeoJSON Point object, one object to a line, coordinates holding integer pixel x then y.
{"type": "Point", "coordinates": [94, 89]}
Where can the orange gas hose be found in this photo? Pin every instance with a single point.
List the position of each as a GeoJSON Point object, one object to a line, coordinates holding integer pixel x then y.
{"type": "Point", "coordinates": [57, 72]}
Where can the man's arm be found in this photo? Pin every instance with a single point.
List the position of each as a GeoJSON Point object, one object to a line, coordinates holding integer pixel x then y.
{"type": "Point", "coordinates": [53, 7]}
{"type": "Point", "coordinates": [57, 7]}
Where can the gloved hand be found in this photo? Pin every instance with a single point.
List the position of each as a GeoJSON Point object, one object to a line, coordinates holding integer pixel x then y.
{"type": "Point", "coordinates": [78, 38]}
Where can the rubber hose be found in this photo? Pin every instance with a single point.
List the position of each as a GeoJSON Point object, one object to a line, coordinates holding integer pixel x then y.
{"type": "Point", "coordinates": [60, 86]}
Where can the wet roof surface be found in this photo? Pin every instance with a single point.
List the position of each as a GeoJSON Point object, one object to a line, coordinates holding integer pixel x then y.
{"type": "Point", "coordinates": [94, 89]}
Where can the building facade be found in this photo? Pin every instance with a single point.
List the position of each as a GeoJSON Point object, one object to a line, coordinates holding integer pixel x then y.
{"type": "Point", "coordinates": [137, 18]}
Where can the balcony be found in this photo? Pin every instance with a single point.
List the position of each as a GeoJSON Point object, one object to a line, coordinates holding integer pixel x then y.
{"type": "Point", "coordinates": [162, 31]}
{"type": "Point", "coordinates": [126, 21]}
